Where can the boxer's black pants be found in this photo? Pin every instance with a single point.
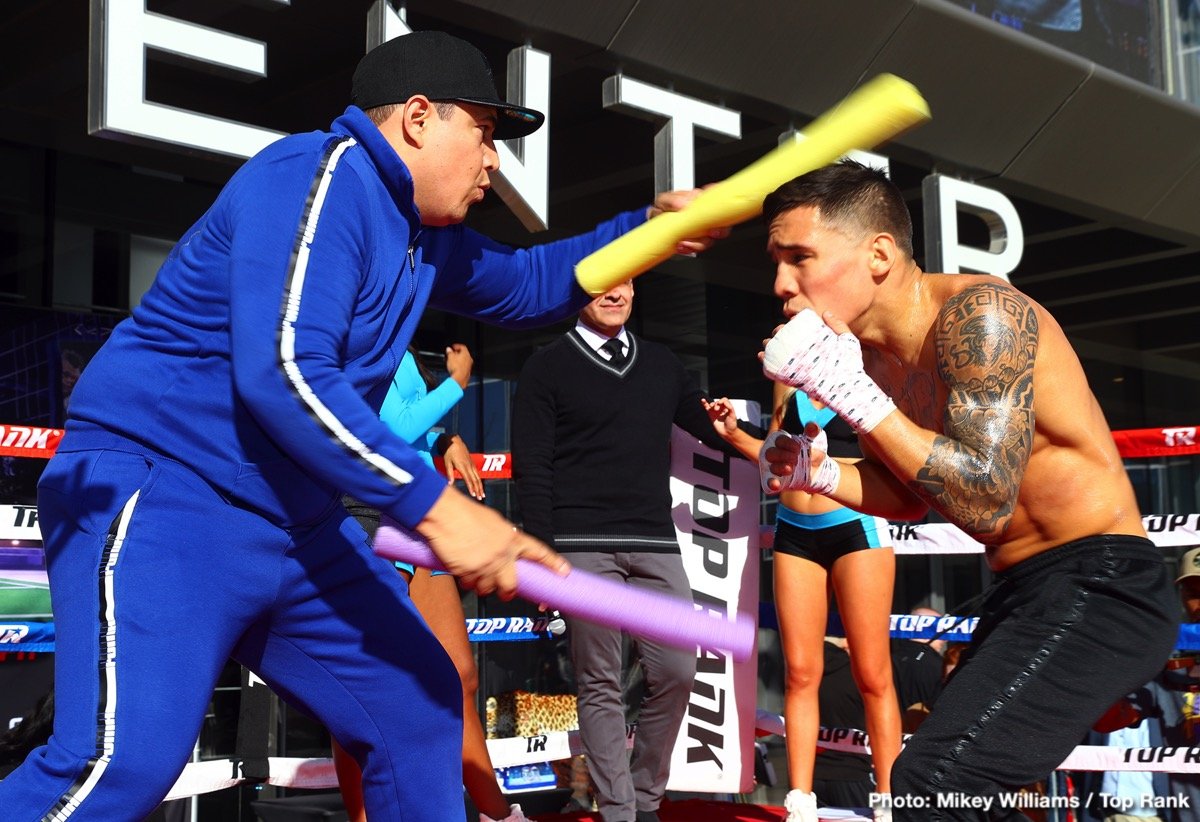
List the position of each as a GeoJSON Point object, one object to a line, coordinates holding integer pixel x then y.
{"type": "Point", "coordinates": [1062, 637]}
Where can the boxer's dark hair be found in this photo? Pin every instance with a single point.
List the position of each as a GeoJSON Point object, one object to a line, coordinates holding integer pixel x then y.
{"type": "Point", "coordinates": [847, 193]}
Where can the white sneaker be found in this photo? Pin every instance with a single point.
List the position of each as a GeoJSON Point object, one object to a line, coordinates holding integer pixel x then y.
{"type": "Point", "coordinates": [515, 814]}
{"type": "Point", "coordinates": [801, 806]}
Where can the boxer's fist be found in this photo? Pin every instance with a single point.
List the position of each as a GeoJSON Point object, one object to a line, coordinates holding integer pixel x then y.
{"type": "Point", "coordinates": [828, 367]}
{"type": "Point", "coordinates": [790, 462]}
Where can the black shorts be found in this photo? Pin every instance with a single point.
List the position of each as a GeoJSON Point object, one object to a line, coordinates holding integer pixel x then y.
{"type": "Point", "coordinates": [369, 519]}
{"type": "Point", "coordinates": [1062, 636]}
{"type": "Point", "coordinates": [364, 514]}
{"type": "Point", "coordinates": [825, 538]}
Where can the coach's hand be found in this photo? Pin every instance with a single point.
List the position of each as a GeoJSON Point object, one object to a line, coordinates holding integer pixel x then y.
{"type": "Point", "coordinates": [480, 547]}
{"type": "Point", "coordinates": [675, 201]}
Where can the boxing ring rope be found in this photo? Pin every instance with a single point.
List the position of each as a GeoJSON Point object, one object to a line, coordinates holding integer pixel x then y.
{"type": "Point", "coordinates": [38, 637]}
{"type": "Point", "coordinates": [318, 773]}
{"type": "Point", "coordinates": [37, 442]}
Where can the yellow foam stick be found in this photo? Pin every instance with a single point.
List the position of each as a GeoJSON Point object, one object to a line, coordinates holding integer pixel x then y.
{"type": "Point", "coordinates": [872, 114]}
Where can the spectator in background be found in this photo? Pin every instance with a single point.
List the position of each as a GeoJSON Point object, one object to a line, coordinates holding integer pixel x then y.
{"type": "Point", "coordinates": [1135, 789]}
{"type": "Point", "coordinates": [954, 650]}
{"type": "Point", "coordinates": [937, 643]}
{"type": "Point", "coordinates": [917, 667]}
{"type": "Point", "coordinates": [1165, 712]}
{"type": "Point", "coordinates": [71, 365]}
{"type": "Point", "coordinates": [1188, 582]}
{"type": "Point", "coordinates": [841, 779]}
{"type": "Point", "coordinates": [591, 433]}
{"type": "Point", "coordinates": [1176, 695]}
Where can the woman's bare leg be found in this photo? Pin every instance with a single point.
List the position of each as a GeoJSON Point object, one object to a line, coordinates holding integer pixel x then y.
{"type": "Point", "coordinates": [863, 582]}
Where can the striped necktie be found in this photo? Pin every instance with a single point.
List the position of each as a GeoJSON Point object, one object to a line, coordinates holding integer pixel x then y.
{"type": "Point", "coordinates": [616, 351]}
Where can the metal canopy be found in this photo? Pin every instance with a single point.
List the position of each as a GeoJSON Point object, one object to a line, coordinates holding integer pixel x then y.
{"type": "Point", "coordinates": [1105, 170]}
{"type": "Point", "coordinates": [1006, 106]}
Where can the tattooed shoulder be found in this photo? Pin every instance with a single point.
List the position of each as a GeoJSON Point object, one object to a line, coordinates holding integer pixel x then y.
{"type": "Point", "coordinates": [985, 342]}
{"type": "Point", "coordinates": [988, 327]}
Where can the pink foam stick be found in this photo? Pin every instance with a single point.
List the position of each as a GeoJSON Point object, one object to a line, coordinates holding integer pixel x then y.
{"type": "Point", "coordinates": [650, 614]}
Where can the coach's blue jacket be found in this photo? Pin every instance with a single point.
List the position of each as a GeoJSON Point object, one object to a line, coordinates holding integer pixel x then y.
{"type": "Point", "coordinates": [263, 351]}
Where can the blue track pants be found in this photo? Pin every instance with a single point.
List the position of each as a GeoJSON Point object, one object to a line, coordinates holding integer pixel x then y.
{"type": "Point", "coordinates": [157, 580]}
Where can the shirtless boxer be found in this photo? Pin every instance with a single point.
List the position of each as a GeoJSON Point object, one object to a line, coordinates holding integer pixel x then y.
{"type": "Point", "coordinates": [968, 399]}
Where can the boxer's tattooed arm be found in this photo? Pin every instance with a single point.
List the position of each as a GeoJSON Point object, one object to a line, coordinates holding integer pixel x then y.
{"type": "Point", "coordinates": [986, 342]}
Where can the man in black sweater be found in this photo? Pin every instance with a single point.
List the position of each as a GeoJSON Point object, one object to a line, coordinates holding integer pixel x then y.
{"type": "Point", "coordinates": [591, 456]}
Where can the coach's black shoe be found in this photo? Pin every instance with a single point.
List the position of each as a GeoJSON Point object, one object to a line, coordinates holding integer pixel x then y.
{"type": "Point", "coordinates": [646, 816]}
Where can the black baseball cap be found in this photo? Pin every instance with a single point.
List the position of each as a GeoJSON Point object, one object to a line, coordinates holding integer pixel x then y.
{"type": "Point", "coordinates": [442, 67]}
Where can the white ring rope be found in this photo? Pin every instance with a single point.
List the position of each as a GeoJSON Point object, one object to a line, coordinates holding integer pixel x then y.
{"type": "Point", "coordinates": [1083, 758]}
{"type": "Point", "coordinates": [291, 772]}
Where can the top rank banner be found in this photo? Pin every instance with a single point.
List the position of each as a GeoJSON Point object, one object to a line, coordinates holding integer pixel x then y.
{"type": "Point", "coordinates": [489, 466]}
{"type": "Point", "coordinates": [1164, 530]}
{"type": "Point", "coordinates": [1157, 442]}
{"type": "Point", "coordinates": [29, 441]}
{"type": "Point", "coordinates": [1141, 443]}
{"type": "Point", "coordinates": [20, 523]}
{"type": "Point", "coordinates": [714, 502]}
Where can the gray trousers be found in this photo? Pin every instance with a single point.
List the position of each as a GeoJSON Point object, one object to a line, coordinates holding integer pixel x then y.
{"type": "Point", "coordinates": [625, 785]}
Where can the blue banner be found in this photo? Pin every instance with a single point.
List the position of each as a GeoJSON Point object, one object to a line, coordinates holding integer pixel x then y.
{"type": "Point", "coordinates": [38, 637]}
{"type": "Point", "coordinates": [31, 637]}
{"type": "Point", "coordinates": [514, 629]}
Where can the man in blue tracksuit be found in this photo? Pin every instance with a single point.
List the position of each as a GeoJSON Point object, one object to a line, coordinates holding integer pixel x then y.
{"type": "Point", "coordinates": [192, 512]}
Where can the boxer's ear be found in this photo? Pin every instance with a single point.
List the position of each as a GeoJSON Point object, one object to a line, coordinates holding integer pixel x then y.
{"type": "Point", "coordinates": [883, 254]}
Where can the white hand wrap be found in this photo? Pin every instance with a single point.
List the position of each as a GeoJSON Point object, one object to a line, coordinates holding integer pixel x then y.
{"type": "Point", "coordinates": [827, 367]}
{"type": "Point", "coordinates": [823, 481]}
